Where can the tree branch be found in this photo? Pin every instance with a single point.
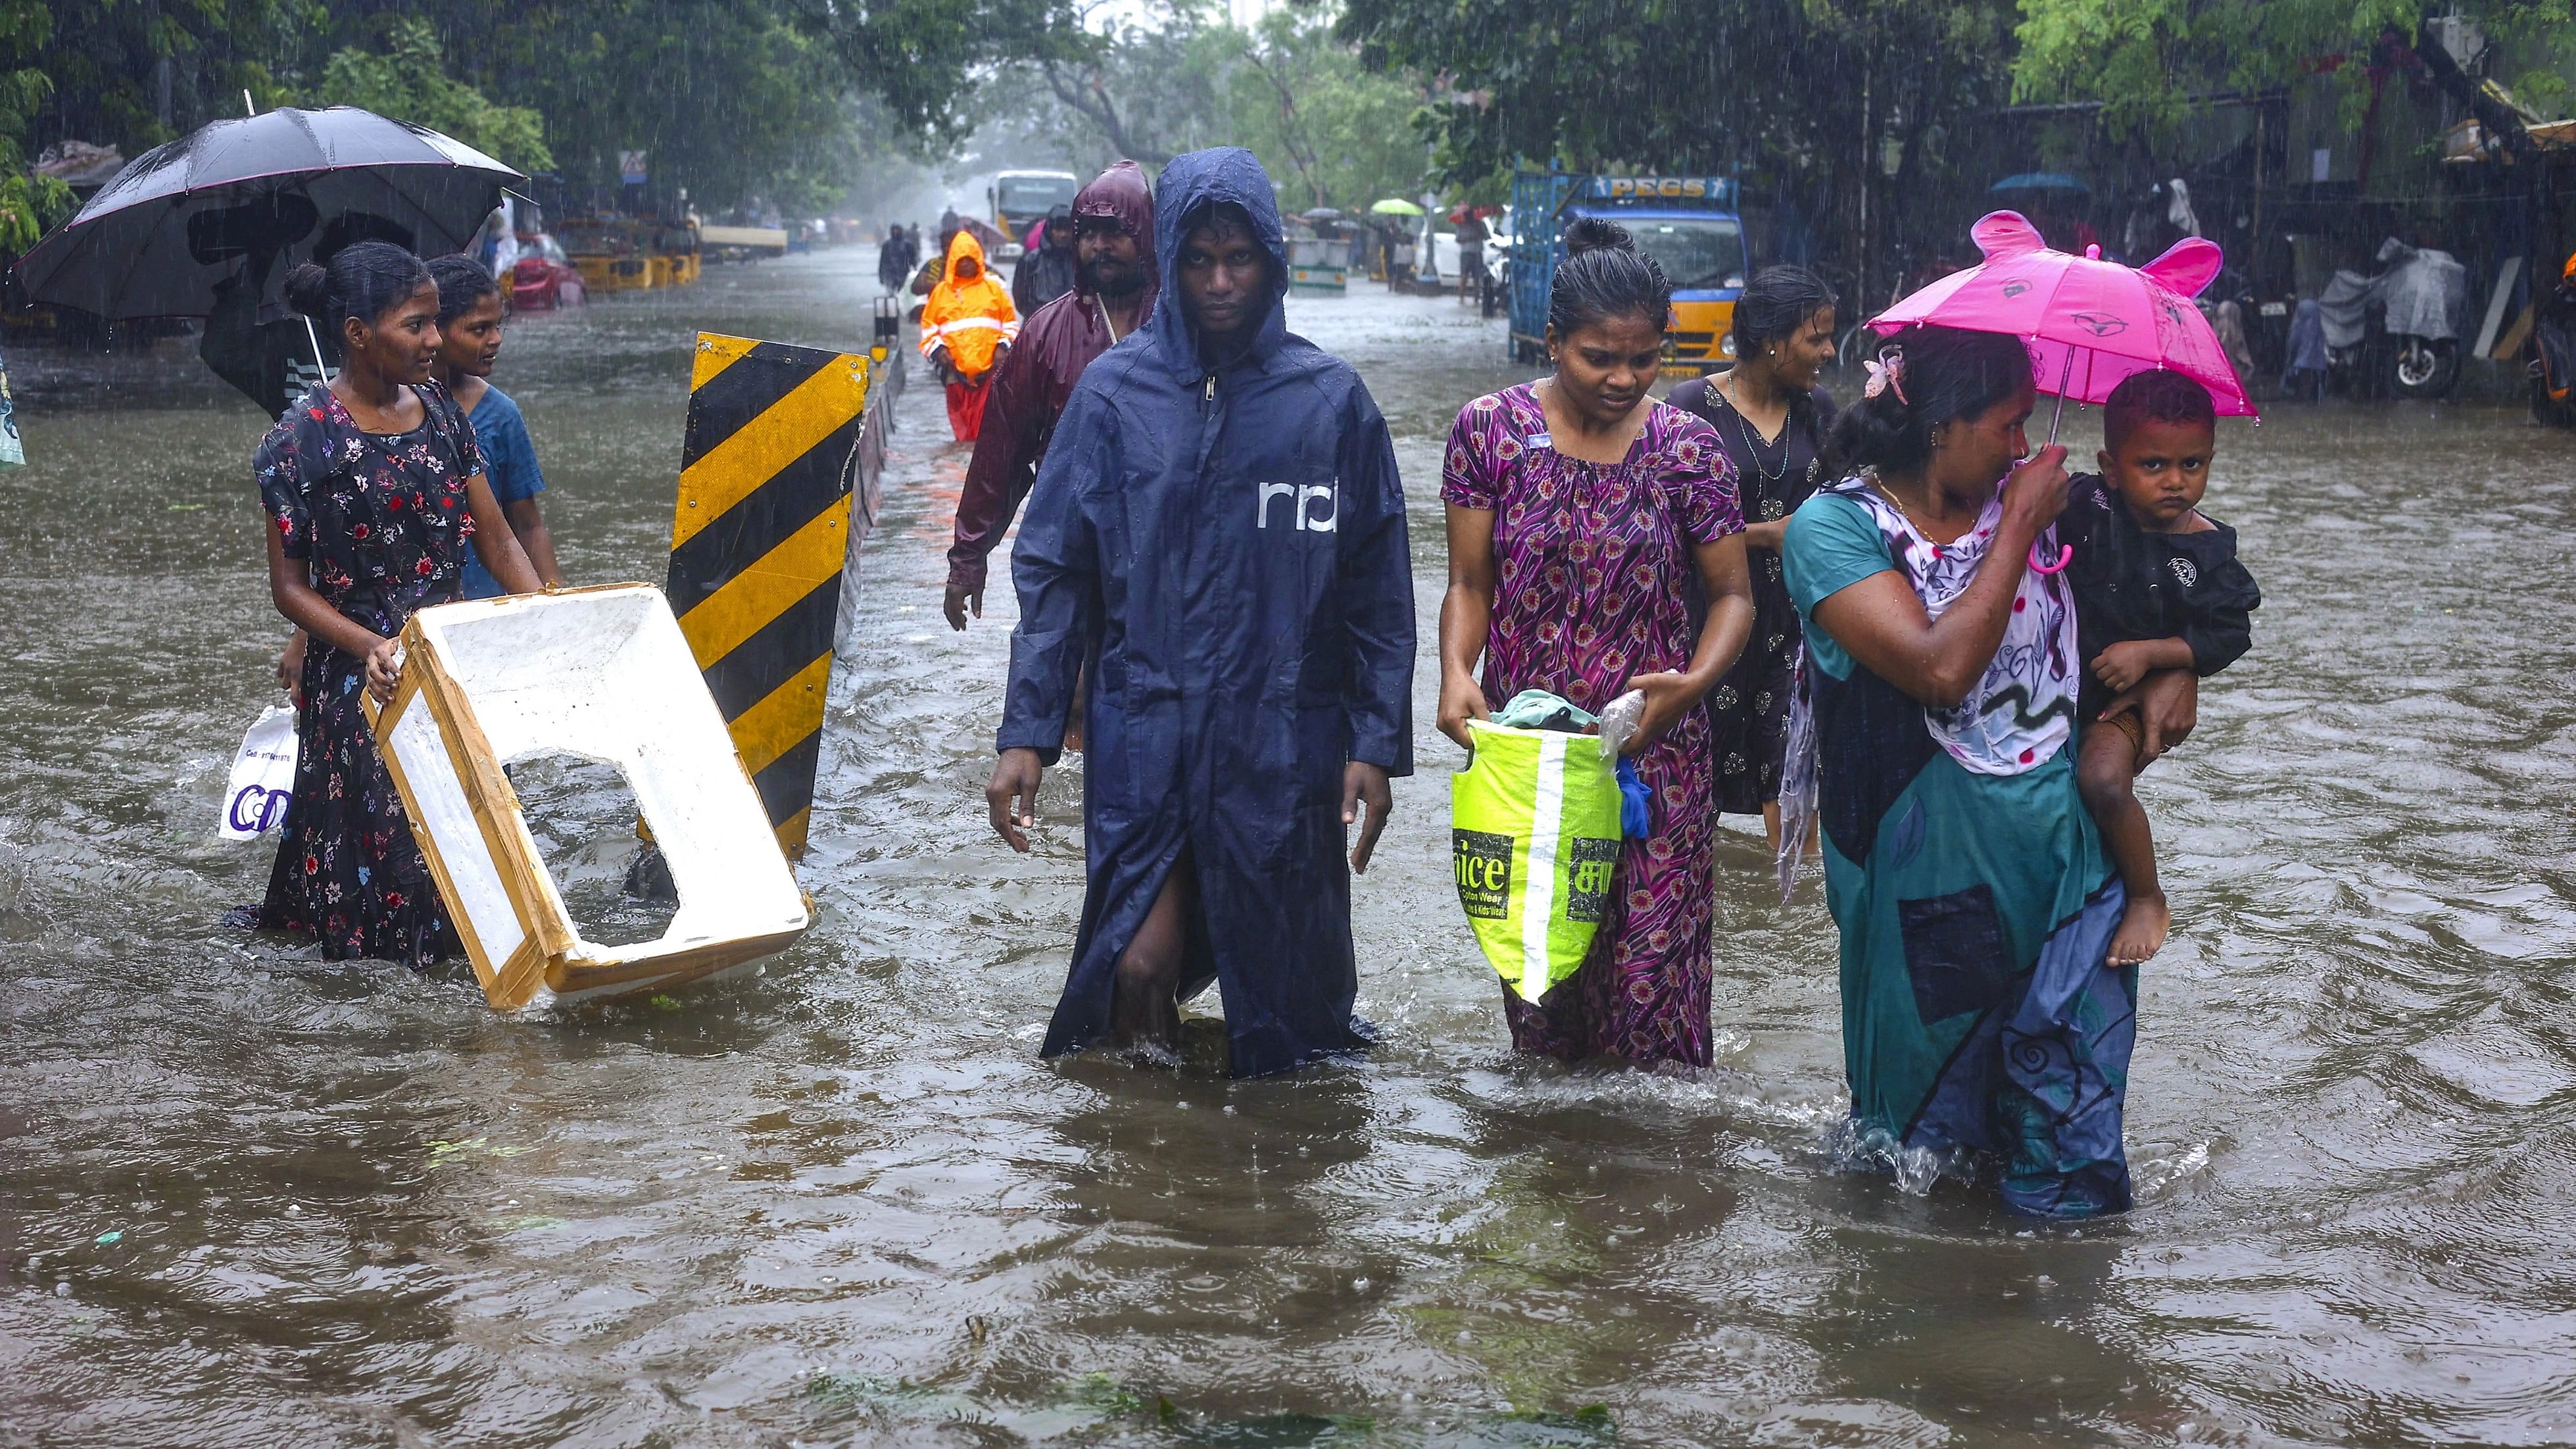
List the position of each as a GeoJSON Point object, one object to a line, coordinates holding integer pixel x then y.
{"type": "Point", "coordinates": [1090, 100]}
{"type": "Point", "coordinates": [1300, 156]}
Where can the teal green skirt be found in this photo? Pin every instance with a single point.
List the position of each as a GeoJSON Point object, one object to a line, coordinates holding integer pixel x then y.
{"type": "Point", "coordinates": [1979, 1013]}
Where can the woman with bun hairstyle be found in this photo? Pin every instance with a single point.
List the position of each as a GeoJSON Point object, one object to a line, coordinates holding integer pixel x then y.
{"type": "Point", "coordinates": [1981, 1016]}
{"type": "Point", "coordinates": [1773, 421]}
{"type": "Point", "coordinates": [1582, 516]}
{"type": "Point", "coordinates": [374, 490]}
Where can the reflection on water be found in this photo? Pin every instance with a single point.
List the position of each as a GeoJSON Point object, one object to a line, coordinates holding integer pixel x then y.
{"type": "Point", "coordinates": [254, 1198]}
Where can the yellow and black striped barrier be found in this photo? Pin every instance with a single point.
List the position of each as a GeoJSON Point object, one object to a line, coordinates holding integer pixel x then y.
{"type": "Point", "coordinates": [757, 543]}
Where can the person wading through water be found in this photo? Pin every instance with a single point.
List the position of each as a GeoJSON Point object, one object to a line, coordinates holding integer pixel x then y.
{"type": "Point", "coordinates": [1773, 421]}
{"type": "Point", "coordinates": [1114, 287]}
{"type": "Point", "coordinates": [1220, 529]}
{"type": "Point", "coordinates": [966, 329]}
{"type": "Point", "coordinates": [1048, 269]}
{"type": "Point", "coordinates": [469, 343]}
{"type": "Point", "coordinates": [374, 491]}
{"type": "Point", "coordinates": [1584, 517]}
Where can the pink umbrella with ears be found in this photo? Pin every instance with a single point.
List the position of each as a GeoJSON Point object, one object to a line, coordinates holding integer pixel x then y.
{"type": "Point", "coordinates": [2092, 323]}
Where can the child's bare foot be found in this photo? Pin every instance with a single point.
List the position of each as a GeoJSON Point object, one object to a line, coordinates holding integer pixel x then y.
{"type": "Point", "coordinates": [2142, 929]}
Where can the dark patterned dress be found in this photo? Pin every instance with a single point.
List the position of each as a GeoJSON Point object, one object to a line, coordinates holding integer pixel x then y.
{"type": "Point", "coordinates": [384, 523]}
{"type": "Point", "coordinates": [1593, 573]}
{"type": "Point", "coordinates": [1748, 712]}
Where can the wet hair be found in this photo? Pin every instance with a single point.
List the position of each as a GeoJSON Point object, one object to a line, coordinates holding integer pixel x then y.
{"type": "Point", "coordinates": [364, 280]}
{"type": "Point", "coordinates": [2157, 396]}
{"type": "Point", "coordinates": [1776, 304]}
{"type": "Point", "coordinates": [1221, 216]}
{"type": "Point", "coordinates": [1942, 374]}
{"type": "Point", "coordinates": [1604, 276]}
{"type": "Point", "coordinates": [462, 285]}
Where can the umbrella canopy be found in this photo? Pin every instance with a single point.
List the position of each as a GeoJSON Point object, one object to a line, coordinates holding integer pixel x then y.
{"type": "Point", "coordinates": [1321, 213]}
{"type": "Point", "coordinates": [2091, 324]}
{"type": "Point", "coordinates": [2042, 181]}
{"type": "Point", "coordinates": [155, 241]}
{"type": "Point", "coordinates": [1394, 206]}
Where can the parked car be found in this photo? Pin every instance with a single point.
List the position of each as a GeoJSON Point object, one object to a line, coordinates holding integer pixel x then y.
{"type": "Point", "coordinates": [544, 278]}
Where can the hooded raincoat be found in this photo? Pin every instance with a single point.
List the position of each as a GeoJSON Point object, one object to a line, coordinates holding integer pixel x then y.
{"type": "Point", "coordinates": [1225, 545]}
{"type": "Point", "coordinates": [1032, 385]}
{"type": "Point", "coordinates": [970, 315]}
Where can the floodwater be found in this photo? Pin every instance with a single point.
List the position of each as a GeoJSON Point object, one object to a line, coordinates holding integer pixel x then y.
{"type": "Point", "coordinates": [250, 1198]}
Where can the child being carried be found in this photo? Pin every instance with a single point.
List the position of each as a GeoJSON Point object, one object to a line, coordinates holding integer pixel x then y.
{"type": "Point", "coordinates": [2157, 586]}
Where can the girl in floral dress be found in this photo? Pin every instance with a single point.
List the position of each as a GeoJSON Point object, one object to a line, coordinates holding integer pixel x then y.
{"type": "Point", "coordinates": [373, 490]}
{"type": "Point", "coordinates": [1580, 513]}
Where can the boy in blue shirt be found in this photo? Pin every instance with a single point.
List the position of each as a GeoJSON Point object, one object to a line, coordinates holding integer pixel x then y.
{"type": "Point", "coordinates": [469, 342]}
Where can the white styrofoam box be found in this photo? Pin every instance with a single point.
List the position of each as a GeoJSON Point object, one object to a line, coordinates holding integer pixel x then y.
{"type": "Point", "coordinates": [603, 673]}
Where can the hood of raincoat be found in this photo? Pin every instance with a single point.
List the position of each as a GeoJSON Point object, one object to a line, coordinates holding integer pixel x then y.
{"type": "Point", "coordinates": [970, 316]}
{"type": "Point", "coordinates": [961, 247]}
{"type": "Point", "coordinates": [1120, 193]}
{"type": "Point", "coordinates": [1189, 186]}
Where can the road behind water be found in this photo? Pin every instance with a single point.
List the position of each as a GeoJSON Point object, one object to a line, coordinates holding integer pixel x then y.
{"type": "Point", "coordinates": [250, 1198]}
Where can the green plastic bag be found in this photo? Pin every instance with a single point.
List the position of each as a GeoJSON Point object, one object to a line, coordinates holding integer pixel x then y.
{"type": "Point", "coordinates": [1534, 834]}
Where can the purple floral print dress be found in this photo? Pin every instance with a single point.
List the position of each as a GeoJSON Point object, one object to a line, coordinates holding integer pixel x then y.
{"type": "Point", "coordinates": [1593, 581]}
{"type": "Point", "coordinates": [384, 523]}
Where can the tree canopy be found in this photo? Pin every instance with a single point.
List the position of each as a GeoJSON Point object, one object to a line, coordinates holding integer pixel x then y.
{"type": "Point", "coordinates": [727, 98]}
{"type": "Point", "coordinates": [408, 80]}
{"type": "Point", "coordinates": [1330, 131]}
{"type": "Point", "coordinates": [2149, 61]}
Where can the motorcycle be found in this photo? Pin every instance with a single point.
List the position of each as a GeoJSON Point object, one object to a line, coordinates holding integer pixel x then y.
{"type": "Point", "coordinates": [2553, 353]}
{"type": "Point", "coordinates": [2396, 331]}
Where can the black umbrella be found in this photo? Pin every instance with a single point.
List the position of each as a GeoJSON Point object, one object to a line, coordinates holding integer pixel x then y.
{"type": "Point", "coordinates": [157, 240]}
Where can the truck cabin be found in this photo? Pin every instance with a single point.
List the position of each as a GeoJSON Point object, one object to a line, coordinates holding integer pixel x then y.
{"type": "Point", "coordinates": [1022, 198]}
{"type": "Point", "coordinates": [1688, 224]}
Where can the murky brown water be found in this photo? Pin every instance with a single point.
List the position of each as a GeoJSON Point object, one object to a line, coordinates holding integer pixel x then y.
{"type": "Point", "coordinates": [247, 1198]}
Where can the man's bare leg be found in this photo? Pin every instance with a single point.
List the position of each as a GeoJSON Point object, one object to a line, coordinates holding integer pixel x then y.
{"type": "Point", "coordinates": [1145, 1010]}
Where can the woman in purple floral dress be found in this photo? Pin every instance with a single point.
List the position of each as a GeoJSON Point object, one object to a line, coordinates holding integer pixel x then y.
{"type": "Point", "coordinates": [373, 489]}
{"type": "Point", "coordinates": [1581, 512]}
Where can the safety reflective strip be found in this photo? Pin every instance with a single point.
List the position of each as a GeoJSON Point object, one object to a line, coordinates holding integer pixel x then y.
{"type": "Point", "coordinates": [1538, 889]}
{"type": "Point", "coordinates": [758, 539]}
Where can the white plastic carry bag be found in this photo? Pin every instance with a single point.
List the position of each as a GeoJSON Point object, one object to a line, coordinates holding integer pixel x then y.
{"type": "Point", "coordinates": [263, 777]}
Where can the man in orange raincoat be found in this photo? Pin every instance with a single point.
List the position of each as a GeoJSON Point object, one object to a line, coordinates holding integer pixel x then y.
{"type": "Point", "coordinates": [965, 328]}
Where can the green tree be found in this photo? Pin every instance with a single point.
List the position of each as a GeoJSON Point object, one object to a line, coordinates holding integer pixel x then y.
{"type": "Point", "coordinates": [407, 81]}
{"type": "Point", "coordinates": [2148, 61]}
{"type": "Point", "coordinates": [1841, 105]}
{"type": "Point", "coordinates": [731, 99]}
{"type": "Point", "coordinates": [133, 74]}
{"type": "Point", "coordinates": [1330, 131]}
{"type": "Point", "coordinates": [1301, 100]}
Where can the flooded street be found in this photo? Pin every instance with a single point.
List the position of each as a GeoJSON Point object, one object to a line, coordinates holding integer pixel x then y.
{"type": "Point", "coordinates": [251, 1198]}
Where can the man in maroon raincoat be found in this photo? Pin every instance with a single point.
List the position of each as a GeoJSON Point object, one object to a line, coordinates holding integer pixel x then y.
{"type": "Point", "coordinates": [1114, 286]}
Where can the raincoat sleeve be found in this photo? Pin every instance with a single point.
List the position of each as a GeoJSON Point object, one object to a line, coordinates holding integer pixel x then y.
{"type": "Point", "coordinates": [1056, 567]}
{"type": "Point", "coordinates": [1006, 460]}
{"type": "Point", "coordinates": [1376, 590]}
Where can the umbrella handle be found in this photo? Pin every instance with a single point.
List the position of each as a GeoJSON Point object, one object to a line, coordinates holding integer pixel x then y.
{"type": "Point", "coordinates": [2065, 556]}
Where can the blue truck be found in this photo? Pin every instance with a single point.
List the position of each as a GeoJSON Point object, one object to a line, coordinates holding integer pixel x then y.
{"type": "Point", "coordinates": [1689, 224]}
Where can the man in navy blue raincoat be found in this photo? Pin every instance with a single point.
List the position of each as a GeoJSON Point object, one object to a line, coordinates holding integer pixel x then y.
{"type": "Point", "coordinates": [1218, 531]}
